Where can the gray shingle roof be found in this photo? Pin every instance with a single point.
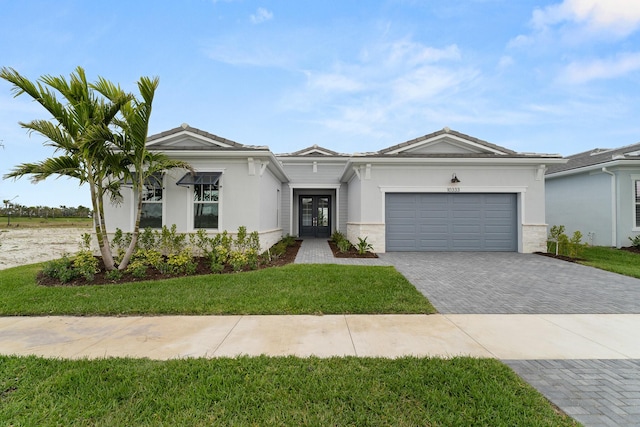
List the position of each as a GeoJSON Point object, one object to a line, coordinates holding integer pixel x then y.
{"type": "Point", "coordinates": [186, 127]}
{"type": "Point", "coordinates": [314, 150]}
{"type": "Point", "coordinates": [447, 131]}
{"type": "Point", "coordinates": [597, 156]}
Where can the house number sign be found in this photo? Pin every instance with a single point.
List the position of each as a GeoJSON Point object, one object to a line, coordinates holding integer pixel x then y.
{"type": "Point", "coordinates": [453, 189]}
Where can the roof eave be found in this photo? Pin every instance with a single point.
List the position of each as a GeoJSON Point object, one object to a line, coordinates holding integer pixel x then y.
{"type": "Point", "coordinates": [590, 168]}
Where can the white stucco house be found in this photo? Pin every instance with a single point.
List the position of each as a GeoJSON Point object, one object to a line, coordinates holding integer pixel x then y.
{"type": "Point", "coordinates": [445, 191]}
{"type": "Point", "coordinates": [597, 192]}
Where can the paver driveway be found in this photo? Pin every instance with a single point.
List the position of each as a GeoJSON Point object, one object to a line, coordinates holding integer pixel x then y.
{"type": "Point", "coordinates": [595, 392]}
{"type": "Point", "coordinates": [513, 283]}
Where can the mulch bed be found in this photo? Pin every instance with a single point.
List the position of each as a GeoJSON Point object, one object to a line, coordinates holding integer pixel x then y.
{"type": "Point", "coordinates": [352, 253]}
{"type": "Point", "coordinates": [562, 257]}
{"type": "Point", "coordinates": [631, 249]}
{"type": "Point", "coordinates": [569, 259]}
{"type": "Point", "coordinates": [153, 274]}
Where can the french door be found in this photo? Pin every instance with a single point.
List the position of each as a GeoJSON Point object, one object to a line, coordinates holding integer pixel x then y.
{"type": "Point", "coordinates": [315, 216]}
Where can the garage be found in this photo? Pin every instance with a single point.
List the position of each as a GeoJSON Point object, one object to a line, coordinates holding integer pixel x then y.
{"type": "Point", "coordinates": [451, 222]}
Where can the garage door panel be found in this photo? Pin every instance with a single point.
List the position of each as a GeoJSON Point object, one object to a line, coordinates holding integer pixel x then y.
{"type": "Point", "coordinates": [451, 222]}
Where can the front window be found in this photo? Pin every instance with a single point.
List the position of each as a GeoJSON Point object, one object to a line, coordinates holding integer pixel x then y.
{"type": "Point", "coordinates": [637, 201]}
{"type": "Point", "coordinates": [205, 202]}
{"type": "Point", "coordinates": [151, 214]}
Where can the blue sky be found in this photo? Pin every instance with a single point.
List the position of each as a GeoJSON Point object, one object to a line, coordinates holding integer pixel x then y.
{"type": "Point", "coordinates": [557, 76]}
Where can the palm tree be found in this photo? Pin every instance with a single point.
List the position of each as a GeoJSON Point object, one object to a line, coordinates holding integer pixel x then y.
{"type": "Point", "coordinates": [72, 131]}
{"type": "Point", "coordinates": [131, 141]}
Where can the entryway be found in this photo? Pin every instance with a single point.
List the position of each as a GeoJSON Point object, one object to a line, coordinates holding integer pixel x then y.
{"type": "Point", "coordinates": [315, 216]}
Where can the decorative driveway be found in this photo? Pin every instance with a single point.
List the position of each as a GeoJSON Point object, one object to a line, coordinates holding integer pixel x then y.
{"type": "Point", "coordinates": [594, 392]}
{"type": "Point", "coordinates": [513, 283]}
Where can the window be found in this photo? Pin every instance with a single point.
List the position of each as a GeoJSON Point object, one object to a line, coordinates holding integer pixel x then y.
{"type": "Point", "coordinates": [636, 184]}
{"type": "Point", "coordinates": [206, 194]}
{"type": "Point", "coordinates": [151, 214]}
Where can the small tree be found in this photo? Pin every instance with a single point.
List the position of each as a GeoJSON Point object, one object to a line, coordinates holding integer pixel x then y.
{"type": "Point", "coordinates": [80, 120]}
{"type": "Point", "coordinates": [139, 163]}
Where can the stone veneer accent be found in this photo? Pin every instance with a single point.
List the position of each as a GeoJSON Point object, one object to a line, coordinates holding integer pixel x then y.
{"type": "Point", "coordinates": [534, 238]}
{"type": "Point", "coordinates": [374, 232]}
{"type": "Point", "coordinates": [269, 238]}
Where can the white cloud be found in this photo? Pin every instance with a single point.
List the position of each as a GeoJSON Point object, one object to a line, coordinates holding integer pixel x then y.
{"type": "Point", "coordinates": [618, 17]}
{"type": "Point", "coordinates": [505, 62]}
{"type": "Point", "coordinates": [333, 82]}
{"type": "Point", "coordinates": [387, 82]}
{"type": "Point", "coordinates": [582, 72]}
{"type": "Point", "coordinates": [261, 15]}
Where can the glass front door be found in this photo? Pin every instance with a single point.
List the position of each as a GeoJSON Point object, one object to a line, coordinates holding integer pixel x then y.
{"type": "Point", "coordinates": [315, 216]}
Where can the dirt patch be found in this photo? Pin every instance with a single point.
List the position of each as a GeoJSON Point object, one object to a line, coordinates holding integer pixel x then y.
{"type": "Point", "coordinates": [22, 245]}
{"type": "Point", "coordinates": [351, 253]}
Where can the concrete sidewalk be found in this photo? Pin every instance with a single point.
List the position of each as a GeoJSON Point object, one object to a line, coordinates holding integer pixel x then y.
{"type": "Point", "coordinates": [506, 337]}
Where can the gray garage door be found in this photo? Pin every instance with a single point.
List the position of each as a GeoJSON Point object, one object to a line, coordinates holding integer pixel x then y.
{"type": "Point", "coordinates": [451, 222]}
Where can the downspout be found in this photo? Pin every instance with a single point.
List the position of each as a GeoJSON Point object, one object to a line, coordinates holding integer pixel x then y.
{"type": "Point", "coordinates": [614, 219]}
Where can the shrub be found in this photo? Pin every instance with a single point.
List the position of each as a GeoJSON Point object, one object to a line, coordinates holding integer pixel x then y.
{"type": "Point", "coordinates": [181, 263]}
{"type": "Point", "coordinates": [60, 269]}
{"type": "Point", "coordinates": [147, 239]}
{"type": "Point", "coordinates": [560, 244]}
{"type": "Point", "coordinates": [337, 237]}
{"type": "Point", "coordinates": [114, 275]}
{"type": "Point", "coordinates": [137, 268]}
{"type": "Point", "coordinates": [575, 244]}
{"type": "Point", "coordinates": [85, 265]}
{"type": "Point", "coordinates": [288, 240]}
{"type": "Point", "coordinates": [363, 246]}
{"type": "Point", "coordinates": [238, 260]}
{"type": "Point", "coordinates": [635, 241]}
{"type": "Point", "coordinates": [171, 242]}
{"type": "Point", "coordinates": [344, 245]}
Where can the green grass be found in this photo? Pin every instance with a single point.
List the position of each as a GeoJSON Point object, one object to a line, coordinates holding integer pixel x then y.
{"type": "Point", "coordinates": [292, 289]}
{"type": "Point", "coordinates": [264, 391]}
{"type": "Point", "coordinates": [611, 259]}
{"type": "Point", "coordinates": [45, 222]}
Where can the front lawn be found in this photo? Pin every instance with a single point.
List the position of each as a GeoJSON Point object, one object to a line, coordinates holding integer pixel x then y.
{"type": "Point", "coordinates": [259, 391]}
{"type": "Point", "coordinates": [292, 289]}
{"type": "Point", "coordinates": [611, 259]}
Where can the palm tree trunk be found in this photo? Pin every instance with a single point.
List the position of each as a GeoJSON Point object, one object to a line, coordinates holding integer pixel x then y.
{"type": "Point", "coordinates": [136, 229]}
{"type": "Point", "coordinates": [99, 224]}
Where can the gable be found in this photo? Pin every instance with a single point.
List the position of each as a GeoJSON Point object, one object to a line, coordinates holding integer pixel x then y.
{"type": "Point", "coordinates": [186, 137]}
{"type": "Point", "coordinates": [443, 146]}
{"type": "Point", "coordinates": [446, 141]}
{"type": "Point", "coordinates": [314, 151]}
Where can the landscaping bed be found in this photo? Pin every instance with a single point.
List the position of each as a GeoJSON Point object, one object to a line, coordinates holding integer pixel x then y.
{"type": "Point", "coordinates": [351, 253]}
{"type": "Point", "coordinates": [202, 268]}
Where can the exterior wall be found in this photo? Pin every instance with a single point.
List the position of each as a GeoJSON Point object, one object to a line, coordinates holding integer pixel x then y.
{"type": "Point", "coordinates": [270, 192]}
{"type": "Point", "coordinates": [625, 181]}
{"type": "Point", "coordinates": [581, 202]}
{"type": "Point", "coordinates": [341, 223]}
{"type": "Point", "coordinates": [367, 193]}
{"type": "Point", "coordinates": [245, 199]}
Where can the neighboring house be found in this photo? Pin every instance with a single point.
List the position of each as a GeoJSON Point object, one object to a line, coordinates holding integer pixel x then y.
{"type": "Point", "coordinates": [445, 191]}
{"type": "Point", "coordinates": [597, 193]}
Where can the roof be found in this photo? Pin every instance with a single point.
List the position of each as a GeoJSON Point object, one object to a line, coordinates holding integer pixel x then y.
{"type": "Point", "coordinates": [314, 150]}
{"type": "Point", "coordinates": [597, 156]}
{"type": "Point", "coordinates": [447, 131]}
{"type": "Point", "coordinates": [224, 144]}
